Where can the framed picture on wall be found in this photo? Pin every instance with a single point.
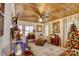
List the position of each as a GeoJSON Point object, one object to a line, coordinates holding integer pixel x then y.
{"type": "Point", "coordinates": [39, 28]}
{"type": "Point", "coordinates": [1, 19]}
{"type": "Point", "coordinates": [56, 27]}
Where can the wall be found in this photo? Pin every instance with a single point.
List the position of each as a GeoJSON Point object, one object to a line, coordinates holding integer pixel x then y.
{"type": "Point", "coordinates": [1, 38]}
{"type": "Point", "coordinates": [64, 26]}
{"type": "Point", "coordinates": [61, 29]}
{"type": "Point", "coordinates": [47, 27]}
{"type": "Point", "coordinates": [25, 23]}
{"type": "Point", "coordinates": [67, 23]}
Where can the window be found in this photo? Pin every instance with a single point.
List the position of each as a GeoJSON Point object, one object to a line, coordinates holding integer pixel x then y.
{"type": "Point", "coordinates": [20, 27]}
{"type": "Point", "coordinates": [28, 29]}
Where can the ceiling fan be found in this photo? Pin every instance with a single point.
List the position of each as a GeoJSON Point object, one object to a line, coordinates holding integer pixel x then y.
{"type": "Point", "coordinates": [44, 16]}
{"type": "Point", "coordinates": [41, 18]}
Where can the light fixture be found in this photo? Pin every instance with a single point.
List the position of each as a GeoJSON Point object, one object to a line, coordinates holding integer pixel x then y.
{"type": "Point", "coordinates": [71, 23]}
{"type": "Point", "coordinates": [40, 20]}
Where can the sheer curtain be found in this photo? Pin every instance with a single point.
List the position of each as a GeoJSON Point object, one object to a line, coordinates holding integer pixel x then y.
{"type": "Point", "coordinates": [67, 23]}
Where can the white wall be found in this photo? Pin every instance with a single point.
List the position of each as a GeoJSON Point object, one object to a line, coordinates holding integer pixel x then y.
{"type": "Point", "coordinates": [1, 38]}
{"type": "Point", "coordinates": [47, 27]}
{"type": "Point", "coordinates": [67, 23]}
{"type": "Point", "coordinates": [25, 23]}
{"type": "Point", "coordinates": [64, 26]}
{"type": "Point", "coordinates": [61, 29]}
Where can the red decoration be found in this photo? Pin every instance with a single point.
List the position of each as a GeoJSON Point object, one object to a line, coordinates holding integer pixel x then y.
{"type": "Point", "coordinates": [73, 38]}
{"type": "Point", "coordinates": [55, 39]}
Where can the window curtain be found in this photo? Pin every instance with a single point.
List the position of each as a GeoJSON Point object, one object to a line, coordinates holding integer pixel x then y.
{"type": "Point", "coordinates": [67, 23]}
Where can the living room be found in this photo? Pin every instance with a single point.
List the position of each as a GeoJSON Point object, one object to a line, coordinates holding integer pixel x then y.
{"type": "Point", "coordinates": [48, 30]}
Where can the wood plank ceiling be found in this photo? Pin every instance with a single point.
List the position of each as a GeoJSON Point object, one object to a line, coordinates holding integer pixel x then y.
{"type": "Point", "coordinates": [47, 11]}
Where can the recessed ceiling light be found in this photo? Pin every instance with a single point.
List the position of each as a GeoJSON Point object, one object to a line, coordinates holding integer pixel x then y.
{"type": "Point", "coordinates": [40, 20]}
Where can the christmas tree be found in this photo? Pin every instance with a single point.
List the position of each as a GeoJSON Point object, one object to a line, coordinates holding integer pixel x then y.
{"type": "Point", "coordinates": [73, 38]}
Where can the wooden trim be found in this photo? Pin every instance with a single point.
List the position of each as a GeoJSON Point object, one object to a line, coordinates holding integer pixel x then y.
{"type": "Point", "coordinates": [2, 7]}
{"type": "Point", "coordinates": [2, 14]}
